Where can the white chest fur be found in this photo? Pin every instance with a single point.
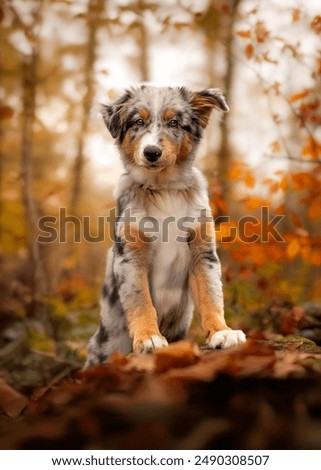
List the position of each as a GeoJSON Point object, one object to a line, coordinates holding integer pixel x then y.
{"type": "Point", "coordinates": [171, 253]}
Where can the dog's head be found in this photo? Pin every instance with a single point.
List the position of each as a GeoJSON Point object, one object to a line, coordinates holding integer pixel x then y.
{"type": "Point", "coordinates": [157, 128]}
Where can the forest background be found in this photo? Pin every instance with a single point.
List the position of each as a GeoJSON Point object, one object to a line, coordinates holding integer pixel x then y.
{"type": "Point", "coordinates": [61, 58]}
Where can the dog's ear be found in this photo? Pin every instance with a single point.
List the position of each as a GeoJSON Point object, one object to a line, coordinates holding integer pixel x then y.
{"type": "Point", "coordinates": [204, 101]}
{"type": "Point", "coordinates": [114, 114]}
{"type": "Point", "coordinates": [111, 119]}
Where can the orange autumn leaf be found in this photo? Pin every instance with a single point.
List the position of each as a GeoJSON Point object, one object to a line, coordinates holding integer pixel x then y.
{"type": "Point", "coordinates": [267, 181]}
{"type": "Point", "coordinates": [299, 96]}
{"type": "Point", "coordinates": [303, 180]}
{"type": "Point", "coordinates": [314, 211]}
{"type": "Point", "coordinates": [249, 51]}
{"type": "Point", "coordinates": [276, 254]}
{"type": "Point", "coordinates": [236, 172]}
{"type": "Point", "coordinates": [274, 187]}
{"type": "Point", "coordinates": [306, 253]}
{"type": "Point", "coordinates": [280, 210]}
{"type": "Point", "coordinates": [296, 220]}
{"type": "Point", "coordinates": [244, 34]}
{"type": "Point", "coordinates": [221, 204]}
{"type": "Point", "coordinates": [226, 232]}
{"type": "Point", "coordinates": [257, 254]}
{"type": "Point", "coordinates": [253, 203]}
{"type": "Point", "coordinates": [275, 146]}
{"type": "Point", "coordinates": [249, 180]}
{"type": "Point", "coordinates": [312, 148]}
{"type": "Point", "coordinates": [316, 24]}
{"type": "Point", "coordinates": [296, 15]}
{"type": "Point", "coordinates": [315, 258]}
{"type": "Point", "coordinates": [284, 183]}
{"type": "Point", "coordinates": [293, 248]}
{"type": "Point", "coordinates": [261, 32]}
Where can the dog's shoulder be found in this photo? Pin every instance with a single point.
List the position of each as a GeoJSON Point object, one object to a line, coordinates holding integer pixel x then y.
{"type": "Point", "coordinates": [198, 179]}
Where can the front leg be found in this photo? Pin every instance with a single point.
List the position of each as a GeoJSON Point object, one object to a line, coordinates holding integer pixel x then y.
{"type": "Point", "coordinates": [132, 258]}
{"type": "Point", "coordinates": [206, 286]}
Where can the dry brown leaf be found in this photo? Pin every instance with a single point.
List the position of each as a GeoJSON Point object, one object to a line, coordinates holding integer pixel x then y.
{"type": "Point", "coordinates": [118, 359]}
{"type": "Point", "coordinates": [157, 390]}
{"type": "Point", "coordinates": [12, 403]}
{"type": "Point", "coordinates": [248, 366]}
{"type": "Point", "coordinates": [176, 355]}
{"type": "Point", "coordinates": [288, 364]}
{"type": "Point", "coordinates": [140, 363]}
{"type": "Point", "coordinates": [205, 370]}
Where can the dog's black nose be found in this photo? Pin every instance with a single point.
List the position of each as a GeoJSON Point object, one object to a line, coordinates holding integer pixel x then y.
{"type": "Point", "coordinates": [152, 153]}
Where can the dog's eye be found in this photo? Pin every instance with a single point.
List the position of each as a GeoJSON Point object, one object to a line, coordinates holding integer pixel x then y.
{"type": "Point", "coordinates": [173, 123]}
{"type": "Point", "coordinates": [140, 122]}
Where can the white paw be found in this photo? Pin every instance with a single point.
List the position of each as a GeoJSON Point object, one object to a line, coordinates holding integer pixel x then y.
{"type": "Point", "coordinates": [225, 339]}
{"type": "Point", "coordinates": [148, 345]}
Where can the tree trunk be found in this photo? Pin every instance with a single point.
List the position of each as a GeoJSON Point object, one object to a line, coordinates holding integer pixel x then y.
{"type": "Point", "coordinates": [94, 8]}
{"type": "Point", "coordinates": [142, 44]}
{"type": "Point", "coordinates": [38, 280]}
{"type": "Point", "coordinates": [225, 151]}
{"type": "Point", "coordinates": [1, 185]}
{"type": "Point", "coordinates": [210, 44]}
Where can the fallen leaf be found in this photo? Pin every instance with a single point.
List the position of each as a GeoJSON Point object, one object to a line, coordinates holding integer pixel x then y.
{"type": "Point", "coordinates": [176, 355]}
{"type": "Point", "coordinates": [288, 364]}
{"type": "Point", "coordinates": [12, 403]}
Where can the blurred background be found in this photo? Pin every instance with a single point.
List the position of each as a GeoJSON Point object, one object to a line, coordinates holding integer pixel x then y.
{"type": "Point", "coordinates": [60, 58]}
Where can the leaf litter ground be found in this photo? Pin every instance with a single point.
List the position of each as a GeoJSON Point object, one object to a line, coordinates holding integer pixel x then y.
{"type": "Point", "coordinates": [260, 395]}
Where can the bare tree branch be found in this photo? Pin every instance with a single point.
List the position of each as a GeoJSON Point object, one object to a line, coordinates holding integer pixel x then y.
{"type": "Point", "coordinates": [295, 159]}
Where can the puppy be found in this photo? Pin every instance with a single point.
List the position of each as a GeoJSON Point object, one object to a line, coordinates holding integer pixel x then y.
{"type": "Point", "coordinates": [163, 262]}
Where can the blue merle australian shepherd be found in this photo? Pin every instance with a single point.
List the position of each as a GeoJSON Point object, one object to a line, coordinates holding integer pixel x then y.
{"type": "Point", "coordinates": [163, 262]}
